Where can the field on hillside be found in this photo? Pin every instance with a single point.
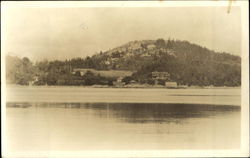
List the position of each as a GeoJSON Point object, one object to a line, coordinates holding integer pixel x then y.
{"type": "Point", "coordinates": [107, 73]}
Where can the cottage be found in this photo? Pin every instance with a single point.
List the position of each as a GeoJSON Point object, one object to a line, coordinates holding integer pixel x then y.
{"type": "Point", "coordinates": [35, 79]}
{"type": "Point", "coordinates": [160, 75]}
{"type": "Point", "coordinates": [150, 46]}
{"type": "Point", "coordinates": [145, 55]}
{"type": "Point", "coordinates": [171, 84]}
{"type": "Point", "coordinates": [118, 82]}
{"type": "Point", "coordinates": [119, 79]}
{"type": "Point", "coordinates": [107, 62]}
{"type": "Point", "coordinates": [132, 82]}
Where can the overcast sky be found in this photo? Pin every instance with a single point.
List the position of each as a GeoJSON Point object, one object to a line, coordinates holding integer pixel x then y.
{"type": "Point", "coordinates": [62, 33]}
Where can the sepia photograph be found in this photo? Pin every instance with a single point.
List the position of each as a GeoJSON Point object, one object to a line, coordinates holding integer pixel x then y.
{"type": "Point", "coordinates": [125, 79]}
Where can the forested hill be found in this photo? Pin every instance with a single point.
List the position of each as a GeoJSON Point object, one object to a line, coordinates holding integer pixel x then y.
{"type": "Point", "coordinates": [187, 63]}
{"type": "Point", "coordinates": [136, 54]}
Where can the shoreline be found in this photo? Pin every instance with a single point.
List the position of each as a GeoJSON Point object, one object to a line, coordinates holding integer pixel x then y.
{"type": "Point", "coordinates": [113, 87]}
{"type": "Point", "coordinates": [83, 104]}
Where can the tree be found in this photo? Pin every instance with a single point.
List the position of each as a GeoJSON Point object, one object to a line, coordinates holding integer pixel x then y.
{"type": "Point", "coordinates": [127, 79]}
{"type": "Point", "coordinates": [160, 43]}
{"type": "Point", "coordinates": [89, 78]}
{"type": "Point", "coordinates": [19, 71]}
{"type": "Point", "coordinates": [169, 44]}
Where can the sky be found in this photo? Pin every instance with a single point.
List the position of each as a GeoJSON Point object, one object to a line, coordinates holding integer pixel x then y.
{"type": "Point", "coordinates": [62, 33]}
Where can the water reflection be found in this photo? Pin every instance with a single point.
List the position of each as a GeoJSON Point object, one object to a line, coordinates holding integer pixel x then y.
{"type": "Point", "coordinates": [141, 112]}
{"type": "Point", "coordinates": [111, 126]}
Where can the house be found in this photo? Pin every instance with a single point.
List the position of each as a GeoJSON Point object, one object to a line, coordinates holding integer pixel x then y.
{"type": "Point", "coordinates": [107, 62]}
{"type": "Point", "coordinates": [118, 82]}
{"type": "Point", "coordinates": [35, 79]}
{"type": "Point", "coordinates": [171, 84]}
{"type": "Point", "coordinates": [81, 71]}
{"type": "Point", "coordinates": [150, 46]}
{"type": "Point", "coordinates": [160, 75]}
{"type": "Point", "coordinates": [132, 82]}
{"type": "Point", "coordinates": [114, 59]}
{"type": "Point", "coordinates": [157, 76]}
{"type": "Point", "coordinates": [119, 79]}
{"type": "Point", "coordinates": [171, 52]}
{"type": "Point", "coordinates": [145, 55]}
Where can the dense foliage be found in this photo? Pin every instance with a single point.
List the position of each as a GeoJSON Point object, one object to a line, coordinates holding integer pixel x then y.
{"type": "Point", "coordinates": [19, 71]}
{"type": "Point", "coordinates": [188, 64]}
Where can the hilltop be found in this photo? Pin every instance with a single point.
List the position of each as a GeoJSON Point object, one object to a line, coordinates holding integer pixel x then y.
{"type": "Point", "coordinates": [187, 64]}
{"type": "Point", "coordinates": [135, 54]}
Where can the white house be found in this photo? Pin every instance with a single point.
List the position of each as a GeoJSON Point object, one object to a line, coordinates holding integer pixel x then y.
{"type": "Point", "coordinates": [171, 84]}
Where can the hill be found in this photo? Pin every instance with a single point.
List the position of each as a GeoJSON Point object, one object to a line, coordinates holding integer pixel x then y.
{"type": "Point", "coordinates": [187, 64]}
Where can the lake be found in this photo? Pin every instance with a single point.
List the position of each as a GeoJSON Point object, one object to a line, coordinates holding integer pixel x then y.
{"type": "Point", "coordinates": [219, 96]}
{"type": "Point", "coordinates": [36, 124]}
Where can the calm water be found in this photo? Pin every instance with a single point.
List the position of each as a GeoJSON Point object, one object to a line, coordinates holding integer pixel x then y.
{"type": "Point", "coordinates": [221, 96]}
{"type": "Point", "coordinates": [133, 126]}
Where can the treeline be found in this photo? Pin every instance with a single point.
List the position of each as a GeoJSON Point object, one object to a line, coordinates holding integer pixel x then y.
{"type": "Point", "coordinates": [23, 72]}
{"type": "Point", "coordinates": [188, 64]}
